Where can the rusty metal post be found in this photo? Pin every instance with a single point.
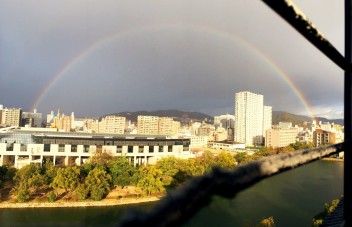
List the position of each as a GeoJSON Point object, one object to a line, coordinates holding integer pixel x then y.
{"type": "Point", "coordinates": [347, 117]}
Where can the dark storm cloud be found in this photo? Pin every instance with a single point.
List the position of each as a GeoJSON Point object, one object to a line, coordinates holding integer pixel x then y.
{"type": "Point", "coordinates": [180, 54]}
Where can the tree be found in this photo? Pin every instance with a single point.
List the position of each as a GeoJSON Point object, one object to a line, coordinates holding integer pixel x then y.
{"type": "Point", "coordinates": [169, 167]}
{"type": "Point", "coordinates": [30, 179]}
{"type": "Point", "coordinates": [301, 146]}
{"type": "Point", "coordinates": [97, 183]}
{"type": "Point", "coordinates": [150, 180]}
{"type": "Point", "coordinates": [101, 158]}
{"type": "Point", "coordinates": [3, 172]}
{"type": "Point", "coordinates": [66, 178]}
{"type": "Point", "coordinates": [242, 158]}
{"type": "Point", "coordinates": [49, 170]}
{"type": "Point", "coordinates": [121, 171]}
{"type": "Point", "coordinates": [225, 160]}
{"type": "Point", "coordinates": [22, 193]}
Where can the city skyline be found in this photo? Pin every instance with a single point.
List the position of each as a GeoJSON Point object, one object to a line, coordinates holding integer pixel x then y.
{"type": "Point", "coordinates": [95, 58]}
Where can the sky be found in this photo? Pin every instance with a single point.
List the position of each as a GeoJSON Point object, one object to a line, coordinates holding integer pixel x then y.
{"type": "Point", "coordinates": [99, 57]}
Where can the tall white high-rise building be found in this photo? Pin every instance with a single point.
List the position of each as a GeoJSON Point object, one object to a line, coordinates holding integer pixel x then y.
{"type": "Point", "coordinates": [267, 118]}
{"type": "Point", "coordinates": [251, 118]}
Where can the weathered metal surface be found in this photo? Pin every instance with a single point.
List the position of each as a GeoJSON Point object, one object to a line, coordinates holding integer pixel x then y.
{"type": "Point", "coordinates": [291, 13]}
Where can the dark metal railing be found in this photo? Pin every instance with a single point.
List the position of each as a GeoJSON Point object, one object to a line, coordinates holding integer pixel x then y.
{"type": "Point", "coordinates": [178, 206]}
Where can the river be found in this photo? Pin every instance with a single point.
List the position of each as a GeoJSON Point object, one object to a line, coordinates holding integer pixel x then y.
{"type": "Point", "coordinates": [292, 198]}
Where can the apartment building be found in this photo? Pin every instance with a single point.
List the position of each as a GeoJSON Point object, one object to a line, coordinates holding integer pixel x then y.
{"type": "Point", "coordinates": [251, 118]}
{"type": "Point", "coordinates": [322, 137]}
{"type": "Point", "coordinates": [154, 125]}
{"type": "Point", "coordinates": [112, 124]}
{"type": "Point", "coordinates": [11, 117]}
{"type": "Point", "coordinates": [280, 137]}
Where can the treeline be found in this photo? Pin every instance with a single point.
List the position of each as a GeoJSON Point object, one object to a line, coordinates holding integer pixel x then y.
{"type": "Point", "coordinates": [95, 179]}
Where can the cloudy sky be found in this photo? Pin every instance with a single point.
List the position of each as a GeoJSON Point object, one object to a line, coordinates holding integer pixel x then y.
{"type": "Point", "coordinates": [97, 57]}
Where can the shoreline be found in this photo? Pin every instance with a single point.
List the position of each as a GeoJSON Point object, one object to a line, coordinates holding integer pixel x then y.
{"type": "Point", "coordinates": [334, 159]}
{"type": "Point", "coordinates": [58, 204]}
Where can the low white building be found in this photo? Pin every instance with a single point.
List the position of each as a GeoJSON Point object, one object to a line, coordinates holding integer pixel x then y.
{"type": "Point", "coordinates": [228, 146]}
{"type": "Point", "coordinates": [19, 148]}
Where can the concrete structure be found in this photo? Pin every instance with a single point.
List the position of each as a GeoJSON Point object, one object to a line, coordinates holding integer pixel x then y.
{"type": "Point", "coordinates": [11, 117]}
{"type": "Point", "coordinates": [112, 124]}
{"type": "Point", "coordinates": [221, 134]}
{"type": "Point", "coordinates": [147, 125]}
{"type": "Point", "coordinates": [228, 146]}
{"type": "Point", "coordinates": [167, 126]}
{"type": "Point", "coordinates": [19, 148]}
{"type": "Point", "coordinates": [198, 142]}
{"type": "Point", "coordinates": [267, 118]}
{"type": "Point", "coordinates": [30, 119]}
{"type": "Point", "coordinates": [322, 137]}
{"type": "Point", "coordinates": [280, 137]}
{"type": "Point", "coordinates": [227, 122]}
{"type": "Point", "coordinates": [249, 118]}
{"type": "Point", "coordinates": [154, 125]}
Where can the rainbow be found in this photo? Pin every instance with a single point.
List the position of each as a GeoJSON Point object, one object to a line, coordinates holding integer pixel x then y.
{"type": "Point", "coordinates": [80, 57]}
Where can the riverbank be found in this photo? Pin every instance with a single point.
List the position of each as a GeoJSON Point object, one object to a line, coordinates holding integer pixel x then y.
{"type": "Point", "coordinates": [117, 196]}
{"type": "Point", "coordinates": [334, 159]}
{"type": "Point", "coordinates": [104, 202]}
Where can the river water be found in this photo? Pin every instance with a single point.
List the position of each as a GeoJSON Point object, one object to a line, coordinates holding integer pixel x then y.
{"type": "Point", "coordinates": [292, 198]}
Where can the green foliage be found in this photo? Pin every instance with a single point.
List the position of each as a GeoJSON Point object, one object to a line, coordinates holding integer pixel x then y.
{"type": "Point", "coordinates": [51, 196]}
{"type": "Point", "coordinates": [242, 158]}
{"type": "Point", "coordinates": [150, 180]}
{"type": "Point", "coordinates": [82, 191]}
{"type": "Point", "coordinates": [97, 184]}
{"type": "Point", "coordinates": [208, 161]}
{"type": "Point", "coordinates": [101, 158]}
{"type": "Point", "coordinates": [169, 168]}
{"type": "Point", "coordinates": [3, 172]}
{"type": "Point", "coordinates": [225, 160]}
{"type": "Point", "coordinates": [66, 178]}
{"type": "Point", "coordinates": [49, 170]}
{"type": "Point", "coordinates": [328, 208]}
{"type": "Point", "coordinates": [22, 193]}
{"type": "Point", "coordinates": [302, 146]}
{"type": "Point", "coordinates": [121, 171]}
{"type": "Point", "coordinates": [267, 222]}
{"type": "Point", "coordinates": [86, 168]}
{"type": "Point", "coordinates": [29, 178]}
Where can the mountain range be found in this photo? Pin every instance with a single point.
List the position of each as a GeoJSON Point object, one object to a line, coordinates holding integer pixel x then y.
{"type": "Point", "coordinates": [300, 119]}
{"type": "Point", "coordinates": [185, 116]}
{"type": "Point", "coordinates": [182, 116]}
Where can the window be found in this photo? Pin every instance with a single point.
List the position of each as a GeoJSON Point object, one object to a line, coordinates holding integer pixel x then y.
{"type": "Point", "coordinates": [61, 147]}
{"type": "Point", "coordinates": [73, 148]}
{"type": "Point", "coordinates": [86, 148]}
{"type": "Point", "coordinates": [169, 148]}
{"type": "Point", "coordinates": [151, 149]}
{"type": "Point", "coordinates": [46, 147]}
